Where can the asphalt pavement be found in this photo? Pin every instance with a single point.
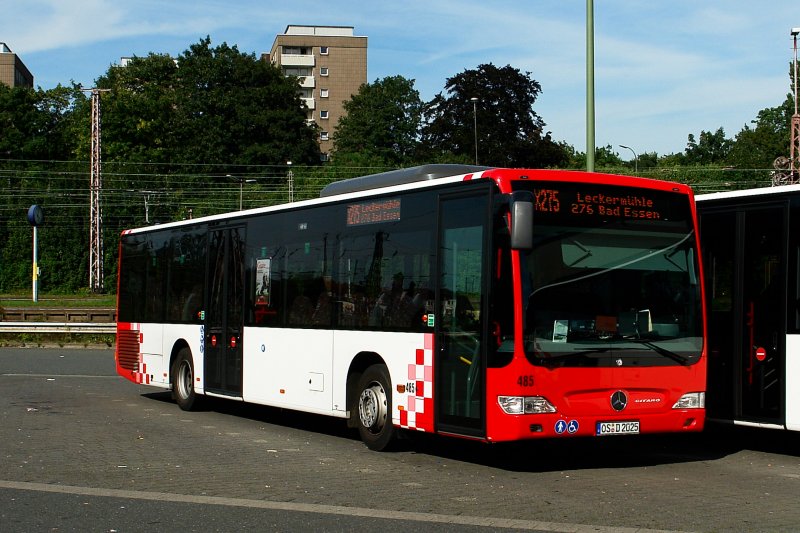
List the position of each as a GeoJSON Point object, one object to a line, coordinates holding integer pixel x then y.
{"type": "Point", "coordinates": [85, 450]}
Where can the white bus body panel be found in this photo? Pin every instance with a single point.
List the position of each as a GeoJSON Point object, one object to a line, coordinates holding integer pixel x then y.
{"type": "Point", "coordinates": [152, 350]}
{"type": "Point", "coordinates": [793, 382]}
{"type": "Point", "coordinates": [307, 369]}
{"type": "Point", "coordinates": [399, 352]}
{"type": "Point", "coordinates": [288, 368]}
{"type": "Point", "coordinates": [156, 342]}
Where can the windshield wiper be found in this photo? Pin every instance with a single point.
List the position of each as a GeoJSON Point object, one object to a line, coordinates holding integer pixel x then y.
{"type": "Point", "coordinates": [682, 359]}
{"type": "Point", "coordinates": [587, 253]}
{"type": "Point", "coordinates": [672, 254]}
{"type": "Point", "coordinates": [579, 353]}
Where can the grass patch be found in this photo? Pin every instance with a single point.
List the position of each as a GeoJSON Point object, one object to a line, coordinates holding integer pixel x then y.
{"type": "Point", "coordinates": [59, 300]}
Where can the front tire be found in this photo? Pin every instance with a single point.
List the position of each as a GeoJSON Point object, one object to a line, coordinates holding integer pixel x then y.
{"type": "Point", "coordinates": [183, 381]}
{"type": "Point", "coordinates": [373, 407]}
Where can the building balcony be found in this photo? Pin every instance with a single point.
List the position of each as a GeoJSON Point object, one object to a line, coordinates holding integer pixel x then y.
{"type": "Point", "coordinates": [297, 60]}
{"type": "Point", "coordinates": [310, 104]}
{"type": "Point", "coordinates": [306, 82]}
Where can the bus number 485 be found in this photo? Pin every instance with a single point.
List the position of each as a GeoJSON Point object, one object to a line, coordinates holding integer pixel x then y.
{"type": "Point", "coordinates": [525, 381]}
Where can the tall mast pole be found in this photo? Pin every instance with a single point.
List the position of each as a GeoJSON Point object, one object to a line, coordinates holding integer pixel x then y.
{"type": "Point", "coordinates": [590, 141]}
{"type": "Point", "coordinates": [95, 188]}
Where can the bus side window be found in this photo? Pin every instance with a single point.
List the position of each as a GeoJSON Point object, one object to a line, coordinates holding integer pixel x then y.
{"type": "Point", "coordinates": [321, 316]}
{"type": "Point", "coordinates": [192, 304]}
{"type": "Point", "coordinates": [301, 308]}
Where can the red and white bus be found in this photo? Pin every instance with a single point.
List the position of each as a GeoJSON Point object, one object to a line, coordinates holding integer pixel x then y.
{"type": "Point", "coordinates": [491, 304]}
{"type": "Point", "coordinates": [751, 249]}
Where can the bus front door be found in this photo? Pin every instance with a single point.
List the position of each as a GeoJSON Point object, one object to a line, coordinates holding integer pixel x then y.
{"type": "Point", "coordinates": [763, 320]}
{"type": "Point", "coordinates": [224, 312]}
{"type": "Point", "coordinates": [460, 359]}
{"type": "Point", "coordinates": [745, 271]}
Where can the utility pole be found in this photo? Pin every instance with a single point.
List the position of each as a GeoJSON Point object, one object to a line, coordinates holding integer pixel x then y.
{"type": "Point", "coordinates": [590, 141]}
{"type": "Point", "coordinates": [787, 170]}
{"type": "Point", "coordinates": [95, 187]}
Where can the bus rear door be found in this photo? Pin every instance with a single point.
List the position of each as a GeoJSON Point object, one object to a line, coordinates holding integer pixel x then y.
{"type": "Point", "coordinates": [224, 311]}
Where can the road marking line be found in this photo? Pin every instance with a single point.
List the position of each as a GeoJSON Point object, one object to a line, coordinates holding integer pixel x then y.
{"type": "Point", "coordinates": [507, 523]}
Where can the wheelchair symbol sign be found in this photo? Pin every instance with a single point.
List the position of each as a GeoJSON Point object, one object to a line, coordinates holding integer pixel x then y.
{"type": "Point", "coordinates": [563, 426]}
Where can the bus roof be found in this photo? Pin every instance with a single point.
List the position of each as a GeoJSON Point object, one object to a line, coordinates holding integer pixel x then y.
{"type": "Point", "coordinates": [398, 177]}
{"type": "Point", "coordinates": [424, 176]}
{"type": "Point", "coordinates": [745, 193]}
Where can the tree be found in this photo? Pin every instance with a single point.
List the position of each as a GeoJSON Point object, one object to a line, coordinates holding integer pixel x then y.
{"type": "Point", "coordinates": [209, 105]}
{"type": "Point", "coordinates": [236, 109]}
{"type": "Point", "coordinates": [36, 128]}
{"type": "Point", "coordinates": [648, 160]}
{"type": "Point", "coordinates": [509, 132]}
{"type": "Point", "coordinates": [34, 123]}
{"type": "Point", "coordinates": [769, 138]}
{"type": "Point", "coordinates": [382, 120]}
{"type": "Point", "coordinates": [710, 149]}
{"type": "Point", "coordinates": [604, 156]}
{"type": "Point", "coordinates": [138, 112]}
{"type": "Point", "coordinates": [221, 114]}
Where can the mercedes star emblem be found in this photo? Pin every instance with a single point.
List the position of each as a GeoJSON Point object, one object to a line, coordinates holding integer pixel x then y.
{"type": "Point", "coordinates": [619, 400]}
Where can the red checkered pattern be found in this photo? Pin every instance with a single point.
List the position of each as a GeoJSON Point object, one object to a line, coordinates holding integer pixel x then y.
{"type": "Point", "coordinates": [140, 375]}
{"type": "Point", "coordinates": [418, 413]}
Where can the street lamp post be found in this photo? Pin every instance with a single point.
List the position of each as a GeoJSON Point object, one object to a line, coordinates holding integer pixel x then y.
{"type": "Point", "coordinates": [242, 181]}
{"type": "Point", "coordinates": [146, 196]}
{"type": "Point", "coordinates": [290, 179]}
{"type": "Point", "coordinates": [147, 206]}
{"type": "Point", "coordinates": [474, 101]}
{"type": "Point", "coordinates": [635, 158]}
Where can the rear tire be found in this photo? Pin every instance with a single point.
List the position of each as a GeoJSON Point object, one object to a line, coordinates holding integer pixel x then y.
{"type": "Point", "coordinates": [373, 408]}
{"type": "Point", "coordinates": [183, 381]}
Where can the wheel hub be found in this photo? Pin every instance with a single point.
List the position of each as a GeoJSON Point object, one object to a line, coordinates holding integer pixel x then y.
{"type": "Point", "coordinates": [372, 407]}
{"type": "Point", "coordinates": [185, 380]}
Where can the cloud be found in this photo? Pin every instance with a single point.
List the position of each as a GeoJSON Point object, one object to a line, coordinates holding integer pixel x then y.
{"type": "Point", "coordinates": [42, 25]}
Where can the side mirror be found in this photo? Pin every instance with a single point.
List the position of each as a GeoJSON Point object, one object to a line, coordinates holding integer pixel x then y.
{"type": "Point", "coordinates": [521, 208]}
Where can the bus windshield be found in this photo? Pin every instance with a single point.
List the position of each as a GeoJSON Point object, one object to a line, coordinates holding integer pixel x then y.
{"type": "Point", "coordinates": [612, 279]}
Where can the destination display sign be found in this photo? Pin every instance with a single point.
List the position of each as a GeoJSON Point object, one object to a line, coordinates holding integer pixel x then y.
{"type": "Point", "coordinates": [373, 212]}
{"type": "Point", "coordinates": [593, 201]}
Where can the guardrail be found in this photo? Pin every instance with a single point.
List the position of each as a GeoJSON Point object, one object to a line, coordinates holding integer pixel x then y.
{"type": "Point", "coordinates": [58, 327]}
{"type": "Point", "coordinates": [59, 314]}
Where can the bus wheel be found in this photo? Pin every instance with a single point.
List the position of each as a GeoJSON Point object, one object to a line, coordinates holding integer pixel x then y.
{"type": "Point", "coordinates": [374, 407]}
{"type": "Point", "coordinates": [183, 381]}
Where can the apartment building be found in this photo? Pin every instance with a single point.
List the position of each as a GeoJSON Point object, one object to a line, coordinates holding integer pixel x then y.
{"type": "Point", "coordinates": [331, 64]}
{"type": "Point", "coordinates": [13, 71]}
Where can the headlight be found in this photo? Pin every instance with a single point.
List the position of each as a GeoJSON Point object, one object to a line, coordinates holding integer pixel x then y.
{"type": "Point", "coordinates": [691, 400]}
{"type": "Point", "coordinates": [518, 405]}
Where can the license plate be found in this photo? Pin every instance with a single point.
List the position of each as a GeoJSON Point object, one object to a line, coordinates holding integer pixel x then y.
{"type": "Point", "coordinates": [630, 427]}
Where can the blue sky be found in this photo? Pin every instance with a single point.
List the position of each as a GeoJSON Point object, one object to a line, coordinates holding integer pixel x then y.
{"type": "Point", "coordinates": [663, 69]}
